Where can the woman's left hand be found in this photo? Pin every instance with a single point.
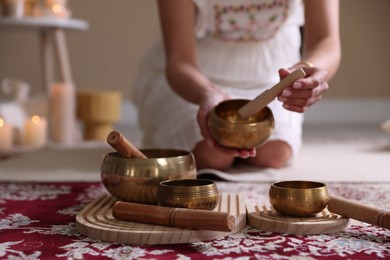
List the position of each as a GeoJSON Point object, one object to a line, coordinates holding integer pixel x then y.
{"type": "Point", "coordinates": [303, 92]}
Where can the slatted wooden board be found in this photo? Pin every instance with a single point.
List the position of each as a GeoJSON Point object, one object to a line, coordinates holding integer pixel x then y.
{"type": "Point", "coordinates": [264, 217]}
{"type": "Point", "coordinates": [96, 221]}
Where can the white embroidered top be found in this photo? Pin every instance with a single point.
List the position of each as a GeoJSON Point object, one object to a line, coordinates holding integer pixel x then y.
{"type": "Point", "coordinates": [260, 36]}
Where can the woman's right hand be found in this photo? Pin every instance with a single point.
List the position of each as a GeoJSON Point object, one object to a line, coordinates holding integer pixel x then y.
{"type": "Point", "coordinates": [208, 101]}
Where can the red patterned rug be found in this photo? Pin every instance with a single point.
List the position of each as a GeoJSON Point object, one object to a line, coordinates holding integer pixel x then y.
{"type": "Point", "coordinates": [37, 221]}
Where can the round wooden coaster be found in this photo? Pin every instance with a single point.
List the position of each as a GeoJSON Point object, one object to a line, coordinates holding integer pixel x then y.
{"type": "Point", "coordinates": [266, 218]}
{"type": "Point", "coordinates": [96, 221]}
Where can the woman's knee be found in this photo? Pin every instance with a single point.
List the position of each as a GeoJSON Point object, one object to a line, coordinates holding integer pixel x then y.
{"type": "Point", "coordinates": [273, 154]}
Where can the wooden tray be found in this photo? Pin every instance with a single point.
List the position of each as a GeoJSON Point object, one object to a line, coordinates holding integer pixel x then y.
{"type": "Point", "coordinates": [264, 217]}
{"type": "Point", "coordinates": [96, 221]}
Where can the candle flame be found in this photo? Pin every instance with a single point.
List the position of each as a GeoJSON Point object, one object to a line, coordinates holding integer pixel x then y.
{"type": "Point", "coordinates": [57, 8]}
{"type": "Point", "coordinates": [1, 122]}
{"type": "Point", "coordinates": [35, 119]}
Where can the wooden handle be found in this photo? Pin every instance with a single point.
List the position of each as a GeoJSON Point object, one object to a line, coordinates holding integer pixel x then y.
{"type": "Point", "coordinates": [267, 96]}
{"type": "Point", "coordinates": [123, 146]}
{"type": "Point", "coordinates": [175, 217]}
{"type": "Point", "coordinates": [354, 210]}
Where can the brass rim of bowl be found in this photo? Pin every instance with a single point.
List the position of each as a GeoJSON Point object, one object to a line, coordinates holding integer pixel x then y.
{"type": "Point", "coordinates": [153, 155]}
{"type": "Point", "coordinates": [298, 185]}
{"type": "Point", "coordinates": [152, 168]}
{"type": "Point", "coordinates": [185, 183]}
{"type": "Point", "coordinates": [221, 120]}
{"type": "Point", "coordinates": [156, 154]}
{"type": "Point", "coordinates": [189, 188]}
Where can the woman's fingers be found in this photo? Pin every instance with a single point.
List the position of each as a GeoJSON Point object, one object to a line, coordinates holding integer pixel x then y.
{"type": "Point", "coordinates": [304, 92]}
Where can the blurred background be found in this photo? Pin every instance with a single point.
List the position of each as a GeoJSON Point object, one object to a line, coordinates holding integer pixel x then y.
{"type": "Point", "coordinates": [105, 56]}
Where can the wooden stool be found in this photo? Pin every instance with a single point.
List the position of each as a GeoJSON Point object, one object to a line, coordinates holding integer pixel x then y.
{"type": "Point", "coordinates": [99, 110]}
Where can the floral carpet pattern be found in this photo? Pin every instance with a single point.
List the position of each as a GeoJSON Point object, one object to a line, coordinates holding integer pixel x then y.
{"type": "Point", "coordinates": [37, 221]}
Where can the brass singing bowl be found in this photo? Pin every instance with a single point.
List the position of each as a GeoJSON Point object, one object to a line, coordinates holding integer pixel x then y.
{"type": "Point", "coordinates": [298, 198]}
{"type": "Point", "coordinates": [137, 180]}
{"type": "Point", "coordinates": [230, 130]}
{"type": "Point", "coordinates": [188, 193]}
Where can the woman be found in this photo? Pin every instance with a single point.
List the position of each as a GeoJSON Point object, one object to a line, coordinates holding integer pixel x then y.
{"type": "Point", "coordinates": [213, 50]}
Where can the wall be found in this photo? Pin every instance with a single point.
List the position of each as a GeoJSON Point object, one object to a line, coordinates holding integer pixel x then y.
{"type": "Point", "coordinates": [103, 57]}
{"type": "Point", "coordinates": [106, 55]}
{"type": "Point", "coordinates": [365, 38]}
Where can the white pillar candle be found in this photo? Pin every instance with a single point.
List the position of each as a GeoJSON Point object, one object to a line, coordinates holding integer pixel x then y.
{"type": "Point", "coordinates": [63, 113]}
{"type": "Point", "coordinates": [35, 131]}
{"type": "Point", "coordinates": [6, 136]}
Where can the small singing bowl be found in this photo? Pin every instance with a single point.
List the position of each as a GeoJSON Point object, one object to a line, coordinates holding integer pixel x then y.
{"type": "Point", "coordinates": [230, 130]}
{"type": "Point", "coordinates": [298, 198]}
{"type": "Point", "coordinates": [137, 180]}
{"type": "Point", "coordinates": [188, 193]}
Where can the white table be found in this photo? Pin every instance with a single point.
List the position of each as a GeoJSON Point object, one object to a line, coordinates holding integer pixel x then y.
{"type": "Point", "coordinates": [49, 29]}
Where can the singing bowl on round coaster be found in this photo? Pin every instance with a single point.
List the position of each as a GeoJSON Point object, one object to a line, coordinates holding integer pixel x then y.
{"type": "Point", "coordinates": [264, 217]}
{"type": "Point", "coordinates": [230, 130]}
{"type": "Point", "coordinates": [137, 180]}
{"type": "Point", "coordinates": [188, 193]}
{"type": "Point", "coordinates": [298, 198]}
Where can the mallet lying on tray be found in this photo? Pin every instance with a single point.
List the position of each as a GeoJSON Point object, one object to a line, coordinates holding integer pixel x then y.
{"type": "Point", "coordinates": [175, 217]}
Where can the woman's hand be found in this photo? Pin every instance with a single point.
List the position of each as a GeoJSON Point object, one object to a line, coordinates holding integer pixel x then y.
{"type": "Point", "coordinates": [208, 102]}
{"type": "Point", "coordinates": [303, 92]}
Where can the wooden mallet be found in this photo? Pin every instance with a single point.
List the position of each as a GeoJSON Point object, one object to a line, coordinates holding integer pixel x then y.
{"type": "Point", "coordinates": [262, 100]}
{"type": "Point", "coordinates": [175, 217]}
{"type": "Point", "coordinates": [123, 146]}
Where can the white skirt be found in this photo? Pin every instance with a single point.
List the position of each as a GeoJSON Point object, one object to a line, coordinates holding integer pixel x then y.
{"type": "Point", "coordinates": [168, 121]}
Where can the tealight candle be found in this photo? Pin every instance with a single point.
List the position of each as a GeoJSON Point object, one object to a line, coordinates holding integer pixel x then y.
{"type": "Point", "coordinates": [35, 131]}
{"type": "Point", "coordinates": [6, 136]}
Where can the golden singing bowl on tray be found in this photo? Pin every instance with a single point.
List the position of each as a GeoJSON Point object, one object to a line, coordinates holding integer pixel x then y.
{"type": "Point", "coordinates": [298, 198]}
{"type": "Point", "coordinates": [137, 179]}
{"type": "Point", "coordinates": [188, 193]}
{"type": "Point", "coordinates": [230, 130]}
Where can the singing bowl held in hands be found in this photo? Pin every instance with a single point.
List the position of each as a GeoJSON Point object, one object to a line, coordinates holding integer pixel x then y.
{"type": "Point", "coordinates": [230, 130]}
{"type": "Point", "coordinates": [137, 179]}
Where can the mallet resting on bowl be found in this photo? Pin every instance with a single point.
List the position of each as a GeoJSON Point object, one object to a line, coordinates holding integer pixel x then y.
{"type": "Point", "coordinates": [134, 176]}
{"type": "Point", "coordinates": [123, 146]}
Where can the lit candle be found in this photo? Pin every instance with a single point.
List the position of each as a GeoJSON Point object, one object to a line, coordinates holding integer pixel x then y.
{"type": "Point", "coordinates": [35, 131]}
{"type": "Point", "coordinates": [6, 136]}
